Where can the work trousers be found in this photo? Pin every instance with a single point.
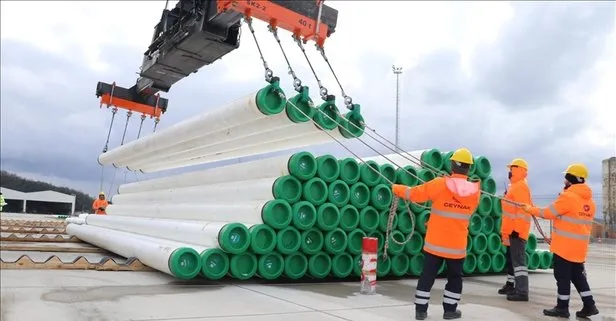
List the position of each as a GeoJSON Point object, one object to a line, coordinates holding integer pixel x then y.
{"type": "Point", "coordinates": [453, 288]}
{"type": "Point", "coordinates": [518, 262]}
{"type": "Point", "coordinates": [509, 266]}
{"type": "Point", "coordinates": [567, 272]}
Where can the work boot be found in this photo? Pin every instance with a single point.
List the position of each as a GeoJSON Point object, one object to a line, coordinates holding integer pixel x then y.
{"type": "Point", "coordinates": [516, 296]}
{"type": "Point", "coordinates": [587, 311]}
{"type": "Point", "coordinates": [450, 315]}
{"type": "Point", "coordinates": [421, 315]}
{"type": "Point", "coordinates": [557, 312]}
{"type": "Point", "coordinates": [506, 289]}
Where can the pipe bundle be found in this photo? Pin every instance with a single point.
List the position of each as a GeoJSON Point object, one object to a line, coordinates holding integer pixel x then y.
{"type": "Point", "coordinates": [261, 122]}
{"type": "Point", "coordinates": [291, 216]}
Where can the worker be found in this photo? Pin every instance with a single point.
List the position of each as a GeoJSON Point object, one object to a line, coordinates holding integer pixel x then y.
{"type": "Point", "coordinates": [2, 202]}
{"type": "Point", "coordinates": [454, 200]}
{"type": "Point", "coordinates": [515, 229]}
{"type": "Point", "coordinates": [572, 213]}
{"type": "Point", "coordinates": [100, 205]}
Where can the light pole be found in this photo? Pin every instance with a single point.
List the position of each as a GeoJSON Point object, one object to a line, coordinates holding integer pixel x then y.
{"type": "Point", "coordinates": [397, 71]}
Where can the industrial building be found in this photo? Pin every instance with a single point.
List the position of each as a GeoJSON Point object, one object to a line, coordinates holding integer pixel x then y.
{"type": "Point", "coordinates": [42, 202]}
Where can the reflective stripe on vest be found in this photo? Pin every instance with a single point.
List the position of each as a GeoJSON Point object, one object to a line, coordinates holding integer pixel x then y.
{"type": "Point", "coordinates": [454, 215]}
{"type": "Point", "coordinates": [552, 209]}
{"type": "Point", "coordinates": [570, 235]}
{"type": "Point", "coordinates": [430, 246]}
{"type": "Point", "coordinates": [408, 193]}
{"type": "Point", "coordinates": [517, 216]}
{"type": "Point", "coordinates": [575, 220]}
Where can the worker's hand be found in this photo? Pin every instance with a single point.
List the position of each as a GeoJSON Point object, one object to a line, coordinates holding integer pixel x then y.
{"type": "Point", "coordinates": [526, 208]}
{"type": "Point", "coordinates": [101, 208]}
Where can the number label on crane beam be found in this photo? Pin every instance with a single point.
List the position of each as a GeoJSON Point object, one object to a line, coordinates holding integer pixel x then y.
{"type": "Point", "coordinates": [256, 5]}
{"type": "Point", "coordinates": [305, 23]}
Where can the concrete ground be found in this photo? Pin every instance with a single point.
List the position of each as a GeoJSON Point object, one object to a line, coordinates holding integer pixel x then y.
{"type": "Point", "coordinates": [97, 296]}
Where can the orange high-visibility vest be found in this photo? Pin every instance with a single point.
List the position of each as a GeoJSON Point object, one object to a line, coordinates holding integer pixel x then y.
{"type": "Point", "coordinates": [99, 203]}
{"type": "Point", "coordinates": [573, 213]}
{"type": "Point", "coordinates": [454, 200]}
{"type": "Point", "coordinates": [514, 218]}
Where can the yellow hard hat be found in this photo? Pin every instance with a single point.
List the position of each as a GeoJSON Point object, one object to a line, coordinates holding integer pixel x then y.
{"type": "Point", "coordinates": [578, 170]}
{"type": "Point", "coordinates": [101, 193]}
{"type": "Point", "coordinates": [519, 162]}
{"type": "Point", "coordinates": [462, 155]}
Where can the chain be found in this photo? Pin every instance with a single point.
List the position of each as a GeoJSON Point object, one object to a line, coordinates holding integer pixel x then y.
{"type": "Point", "coordinates": [156, 121]}
{"type": "Point", "coordinates": [114, 111]}
{"type": "Point", "coordinates": [322, 89]}
{"type": "Point", "coordinates": [297, 83]}
{"type": "Point", "coordinates": [348, 101]}
{"type": "Point", "coordinates": [269, 74]}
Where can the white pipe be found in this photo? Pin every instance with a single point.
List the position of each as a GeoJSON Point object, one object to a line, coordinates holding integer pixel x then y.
{"type": "Point", "coordinates": [76, 220]}
{"type": "Point", "coordinates": [263, 168]}
{"type": "Point", "coordinates": [311, 136]}
{"type": "Point", "coordinates": [238, 112]}
{"type": "Point", "coordinates": [284, 187]}
{"type": "Point", "coordinates": [398, 160]}
{"type": "Point", "coordinates": [237, 136]}
{"type": "Point", "coordinates": [230, 237]}
{"type": "Point", "coordinates": [276, 213]}
{"type": "Point", "coordinates": [163, 255]}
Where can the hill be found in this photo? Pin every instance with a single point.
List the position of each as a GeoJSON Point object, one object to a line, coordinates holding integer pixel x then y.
{"type": "Point", "coordinates": [8, 180]}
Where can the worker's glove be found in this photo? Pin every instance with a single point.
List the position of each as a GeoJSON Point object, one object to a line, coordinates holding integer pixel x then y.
{"type": "Point", "coordinates": [526, 208]}
{"type": "Point", "coordinates": [101, 208]}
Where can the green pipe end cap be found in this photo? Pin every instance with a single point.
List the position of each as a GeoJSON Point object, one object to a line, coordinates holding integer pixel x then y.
{"type": "Point", "coordinates": [214, 264]}
{"type": "Point", "coordinates": [328, 168]}
{"type": "Point", "coordinates": [304, 215]}
{"type": "Point", "coordinates": [383, 266]}
{"type": "Point", "coordinates": [414, 246]}
{"type": "Point", "coordinates": [370, 173]}
{"type": "Point", "coordinates": [355, 241]}
{"type": "Point", "coordinates": [485, 205]}
{"type": "Point", "coordinates": [295, 266]}
{"type": "Point", "coordinates": [342, 265]}
{"type": "Point", "coordinates": [287, 188]}
{"type": "Point", "coordinates": [497, 208]}
{"type": "Point", "coordinates": [184, 263]}
{"type": "Point", "coordinates": [407, 176]}
{"type": "Point", "coordinates": [319, 265]}
{"type": "Point", "coordinates": [271, 99]}
{"type": "Point", "coordinates": [262, 238]}
{"type": "Point", "coordinates": [480, 243]}
{"type": "Point", "coordinates": [416, 265]}
{"type": "Point", "coordinates": [531, 243]}
{"type": "Point", "coordinates": [326, 115]}
{"type": "Point", "coordinates": [534, 261]}
{"type": "Point", "coordinates": [388, 173]}
{"type": "Point", "coordinates": [349, 218]}
{"type": "Point", "coordinates": [384, 220]}
{"type": "Point", "coordinates": [360, 195]}
{"type": "Point", "coordinates": [380, 237]}
{"type": "Point", "coordinates": [422, 219]}
{"type": "Point", "coordinates": [484, 262]}
{"type": "Point", "coordinates": [433, 157]}
{"type": "Point", "coordinates": [488, 225]}
{"type": "Point", "coordinates": [339, 193]}
{"type": "Point", "coordinates": [288, 240]}
{"type": "Point", "coordinates": [270, 266]}
{"type": "Point", "coordinates": [243, 266]}
{"type": "Point", "coordinates": [277, 214]}
{"type": "Point", "coordinates": [302, 165]}
{"type": "Point", "coordinates": [395, 238]}
{"type": "Point", "coordinates": [483, 168]}
{"type": "Point", "coordinates": [234, 238]}
{"type": "Point", "coordinates": [300, 107]}
{"type": "Point", "coordinates": [470, 264]}
{"type": "Point", "coordinates": [328, 217]}
{"type": "Point", "coordinates": [405, 225]}
{"type": "Point", "coordinates": [476, 224]}
{"type": "Point", "coordinates": [369, 219]}
{"type": "Point", "coordinates": [446, 161]}
{"type": "Point", "coordinates": [315, 191]}
{"type": "Point", "coordinates": [335, 241]}
{"type": "Point", "coordinates": [400, 264]}
{"type": "Point", "coordinates": [352, 124]}
{"type": "Point", "coordinates": [425, 175]}
{"type": "Point", "coordinates": [498, 262]}
{"type": "Point", "coordinates": [488, 185]}
{"type": "Point", "coordinates": [381, 197]}
{"type": "Point", "coordinates": [312, 241]}
{"type": "Point", "coordinates": [349, 170]}
{"type": "Point", "coordinates": [494, 243]}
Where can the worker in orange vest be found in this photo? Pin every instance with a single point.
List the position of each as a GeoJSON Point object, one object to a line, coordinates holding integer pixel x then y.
{"type": "Point", "coordinates": [100, 205]}
{"type": "Point", "coordinates": [572, 213]}
{"type": "Point", "coordinates": [515, 229]}
{"type": "Point", "coordinates": [454, 200]}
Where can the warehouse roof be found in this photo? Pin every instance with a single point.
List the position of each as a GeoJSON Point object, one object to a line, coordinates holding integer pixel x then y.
{"type": "Point", "coordinates": [42, 196]}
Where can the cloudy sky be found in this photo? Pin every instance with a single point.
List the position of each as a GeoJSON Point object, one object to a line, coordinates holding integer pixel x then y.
{"type": "Point", "coordinates": [503, 79]}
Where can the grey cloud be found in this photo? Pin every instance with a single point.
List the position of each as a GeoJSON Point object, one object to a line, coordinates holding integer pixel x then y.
{"type": "Point", "coordinates": [543, 48]}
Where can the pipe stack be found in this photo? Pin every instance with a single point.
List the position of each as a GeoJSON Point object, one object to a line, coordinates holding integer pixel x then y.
{"type": "Point", "coordinates": [294, 216]}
